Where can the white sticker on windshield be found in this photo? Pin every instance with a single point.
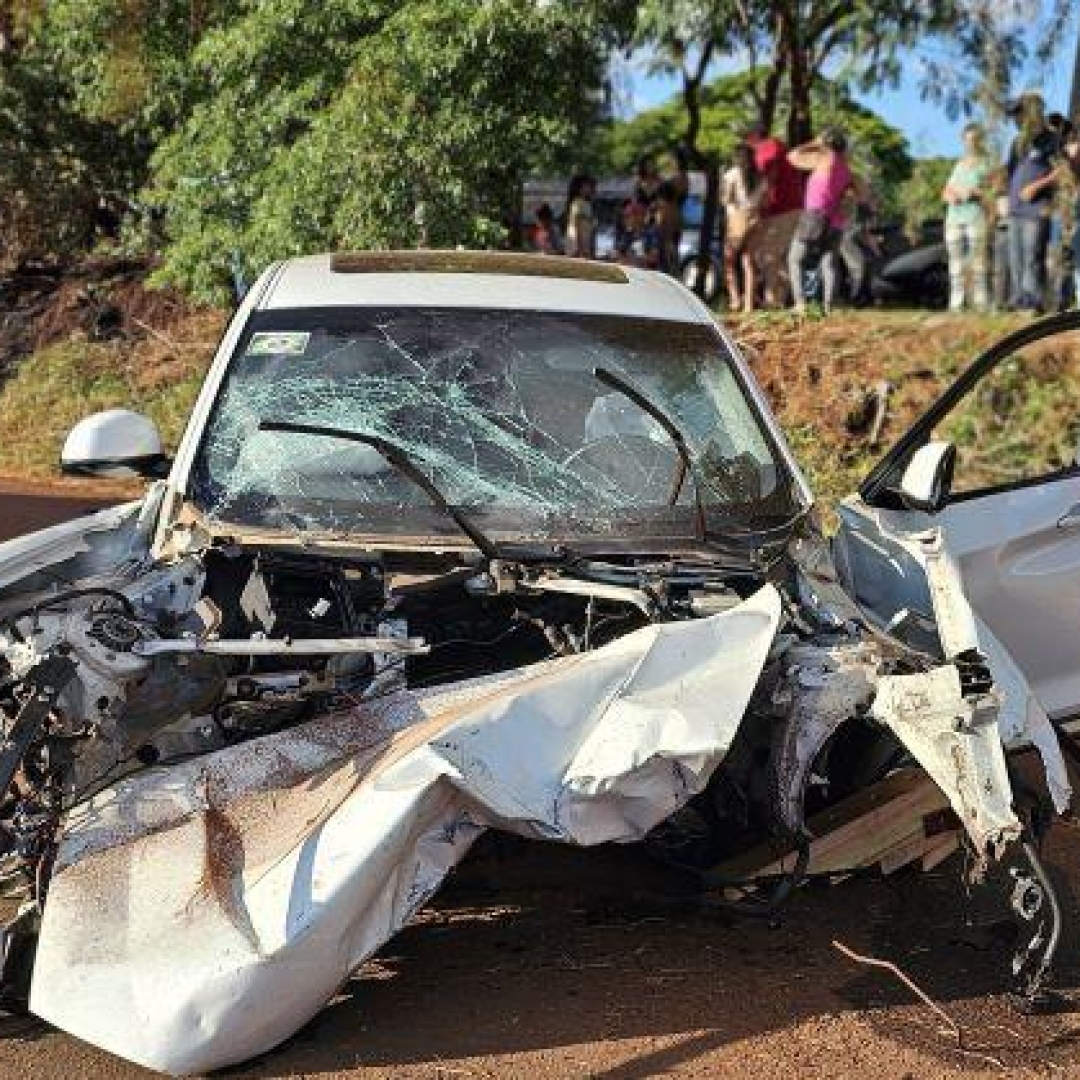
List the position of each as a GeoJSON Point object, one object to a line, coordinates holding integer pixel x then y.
{"type": "Point", "coordinates": [287, 343]}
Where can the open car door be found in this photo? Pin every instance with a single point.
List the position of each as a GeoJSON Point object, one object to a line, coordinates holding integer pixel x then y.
{"type": "Point", "coordinates": [1007, 505]}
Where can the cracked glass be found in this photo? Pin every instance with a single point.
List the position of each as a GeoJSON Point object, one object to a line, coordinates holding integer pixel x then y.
{"type": "Point", "coordinates": [501, 410]}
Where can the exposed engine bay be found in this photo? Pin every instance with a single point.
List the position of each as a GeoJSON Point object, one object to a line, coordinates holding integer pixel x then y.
{"type": "Point", "coordinates": [232, 644]}
{"type": "Point", "coordinates": [152, 668]}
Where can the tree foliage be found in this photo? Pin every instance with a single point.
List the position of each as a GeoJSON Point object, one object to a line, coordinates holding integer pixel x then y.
{"type": "Point", "coordinates": [920, 198]}
{"type": "Point", "coordinates": [129, 62]}
{"type": "Point", "coordinates": [58, 167]}
{"type": "Point", "coordinates": [256, 129]}
{"type": "Point", "coordinates": [966, 51]}
{"type": "Point", "coordinates": [371, 124]}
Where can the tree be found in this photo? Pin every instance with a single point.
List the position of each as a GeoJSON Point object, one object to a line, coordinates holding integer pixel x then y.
{"type": "Point", "coordinates": [57, 167]}
{"type": "Point", "coordinates": [371, 123]}
{"type": "Point", "coordinates": [129, 62]}
{"type": "Point", "coordinates": [795, 44]}
{"type": "Point", "coordinates": [686, 36]}
{"type": "Point", "coordinates": [861, 39]}
{"type": "Point", "coordinates": [994, 39]}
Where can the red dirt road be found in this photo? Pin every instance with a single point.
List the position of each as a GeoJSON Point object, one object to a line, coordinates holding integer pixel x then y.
{"type": "Point", "coordinates": [541, 962]}
{"type": "Point", "coordinates": [24, 508]}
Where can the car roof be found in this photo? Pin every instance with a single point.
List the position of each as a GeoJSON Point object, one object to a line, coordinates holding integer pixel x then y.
{"type": "Point", "coordinates": [477, 279]}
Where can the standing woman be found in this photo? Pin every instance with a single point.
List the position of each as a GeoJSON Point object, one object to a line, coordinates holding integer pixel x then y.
{"type": "Point", "coordinates": [966, 225]}
{"type": "Point", "coordinates": [823, 220]}
{"type": "Point", "coordinates": [742, 193]}
{"type": "Point", "coordinates": [580, 217]}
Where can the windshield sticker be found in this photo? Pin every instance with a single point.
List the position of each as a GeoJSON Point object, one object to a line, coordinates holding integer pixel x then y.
{"type": "Point", "coordinates": [292, 343]}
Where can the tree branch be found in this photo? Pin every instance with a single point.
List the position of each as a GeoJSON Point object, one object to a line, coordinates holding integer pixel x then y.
{"type": "Point", "coordinates": [826, 20]}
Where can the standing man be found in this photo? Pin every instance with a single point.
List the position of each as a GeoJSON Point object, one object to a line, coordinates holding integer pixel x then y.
{"type": "Point", "coordinates": [783, 180]}
{"type": "Point", "coordinates": [1031, 195]}
{"type": "Point", "coordinates": [1031, 203]}
{"type": "Point", "coordinates": [769, 241]}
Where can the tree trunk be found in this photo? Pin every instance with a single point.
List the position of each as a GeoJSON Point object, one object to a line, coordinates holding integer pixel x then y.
{"type": "Point", "coordinates": [801, 121]}
{"type": "Point", "coordinates": [709, 215]}
{"type": "Point", "coordinates": [704, 162]}
{"type": "Point", "coordinates": [769, 97]}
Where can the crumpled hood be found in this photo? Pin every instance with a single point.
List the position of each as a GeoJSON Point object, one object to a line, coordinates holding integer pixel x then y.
{"type": "Point", "coordinates": [199, 914]}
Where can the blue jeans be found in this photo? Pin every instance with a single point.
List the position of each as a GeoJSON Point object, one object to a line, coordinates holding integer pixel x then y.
{"type": "Point", "coordinates": [1028, 241]}
{"type": "Point", "coordinates": [820, 247]}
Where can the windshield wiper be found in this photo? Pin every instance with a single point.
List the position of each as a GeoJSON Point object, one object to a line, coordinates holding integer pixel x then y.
{"type": "Point", "coordinates": [396, 457]}
{"type": "Point", "coordinates": [686, 468]}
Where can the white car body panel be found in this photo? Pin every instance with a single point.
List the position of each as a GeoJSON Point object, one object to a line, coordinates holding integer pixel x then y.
{"type": "Point", "coordinates": [311, 282]}
{"type": "Point", "coordinates": [25, 555]}
{"type": "Point", "coordinates": [1020, 572]}
{"type": "Point", "coordinates": [201, 914]}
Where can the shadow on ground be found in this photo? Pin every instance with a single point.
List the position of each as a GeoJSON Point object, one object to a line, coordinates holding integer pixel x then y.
{"type": "Point", "coordinates": [535, 947]}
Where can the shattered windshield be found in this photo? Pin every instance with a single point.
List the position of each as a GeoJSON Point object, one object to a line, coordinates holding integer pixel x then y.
{"type": "Point", "coordinates": [502, 410]}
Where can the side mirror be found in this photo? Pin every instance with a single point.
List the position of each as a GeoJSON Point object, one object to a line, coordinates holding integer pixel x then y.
{"type": "Point", "coordinates": [928, 477]}
{"type": "Point", "coordinates": [117, 444]}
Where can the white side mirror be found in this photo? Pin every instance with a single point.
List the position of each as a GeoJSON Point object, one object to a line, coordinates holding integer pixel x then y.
{"type": "Point", "coordinates": [928, 477]}
{"type": "Point", "coordinates": [117, 444]}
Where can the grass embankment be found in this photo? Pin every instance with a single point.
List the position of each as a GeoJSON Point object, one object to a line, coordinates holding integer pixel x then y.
{"type": "Point", "coordinates": [819, 375]}
{"type": "Point", "coordinates": [822, 375]}
{"type": "Point", "coordinates": [157, 373]}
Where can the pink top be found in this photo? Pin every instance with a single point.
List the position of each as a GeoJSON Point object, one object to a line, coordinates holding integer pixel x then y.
{"type": "Point", "coordinates": [825, 191]}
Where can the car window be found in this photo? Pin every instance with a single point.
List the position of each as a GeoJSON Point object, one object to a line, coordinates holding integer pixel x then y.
{"type": "Point", "coordinates": [501, 410]}
{"type": "Point", "coordinates": [1021, 422]}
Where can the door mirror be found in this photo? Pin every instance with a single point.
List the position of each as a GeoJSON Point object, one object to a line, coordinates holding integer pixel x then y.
{"type": "Point", "coordinates": [928, 477]}
{"type": "Point", "coordinates": [117, 444]}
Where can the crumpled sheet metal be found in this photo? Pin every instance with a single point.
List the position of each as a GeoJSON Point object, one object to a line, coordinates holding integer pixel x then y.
{"type": "Point", "coordinates": [200, 914]}
{"type": "Point", "coordinates": [966, 760]}
{"type": "Point", "coordinates": [25, 555]}
{"type": "Point", "coordinates": [958, 743]}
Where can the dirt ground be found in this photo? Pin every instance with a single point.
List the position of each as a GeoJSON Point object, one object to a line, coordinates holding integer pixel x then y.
{"type": "Point", "coordinates": [543, 962]}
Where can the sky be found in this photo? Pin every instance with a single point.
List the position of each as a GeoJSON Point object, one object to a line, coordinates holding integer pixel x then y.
{"type": "Point", "coordinates": [929, 130]}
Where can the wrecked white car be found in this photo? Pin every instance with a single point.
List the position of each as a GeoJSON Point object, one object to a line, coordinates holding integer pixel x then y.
{"type": "Point", "coordinates": [457, 542]}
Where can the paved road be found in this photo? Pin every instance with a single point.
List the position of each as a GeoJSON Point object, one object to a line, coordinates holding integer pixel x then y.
{"type": "Point", "coordinates": [22, 509]}
{"type": "Point", "coordinates": [547, 963]}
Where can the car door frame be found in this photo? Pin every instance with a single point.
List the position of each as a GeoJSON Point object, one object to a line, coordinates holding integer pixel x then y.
{"type": "Point", "coordinates": [881, 488]}
{"type": "Point", "coordinates": [880, 492]}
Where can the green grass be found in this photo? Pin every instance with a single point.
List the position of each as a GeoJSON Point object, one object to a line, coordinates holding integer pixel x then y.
{"type": "Point", "coordinates": [818, 373]}
{"type": "Point", "coordinates": [57, 386]}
